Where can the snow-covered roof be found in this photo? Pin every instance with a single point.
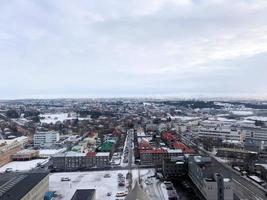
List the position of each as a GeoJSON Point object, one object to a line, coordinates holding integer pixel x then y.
{"type": "Point", "coordinates": [23, 165]}
{"type": "Point", "coordinates": [174, 150]}
{"type": "Point", "coordinates": [102, 154]}
{"type": "Point", "coordinates": [51, 151]}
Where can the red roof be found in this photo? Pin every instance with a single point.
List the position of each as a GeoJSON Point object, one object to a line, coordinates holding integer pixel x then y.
{"type": "Point", "coordinates": [154, 151]}
{"type": "Point", "coordinates": [183, 147]}
{"type": "Point", "coordinates": [168, 136]}
{"type": "Point", "coordinates": [91, 154]}
{"type": "Point", "coordinates": [144, 145]}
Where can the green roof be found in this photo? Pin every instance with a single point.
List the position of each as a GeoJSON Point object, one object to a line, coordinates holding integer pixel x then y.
{"type": "Point", "coordinates": [106, 147]}
{"type": "Point", "coordinates": [76, 148]}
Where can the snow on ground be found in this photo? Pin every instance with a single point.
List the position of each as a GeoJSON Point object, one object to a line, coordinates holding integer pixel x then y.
{"type": "Point", "coordinates": [257, 118]}
{"type": "Point", "coordinates": [55, 117]}
{"type": "Point", "coordinates": [91, 180]}
{"type": "Point", "coordinates": [50, 152]}
{"type": "Point", "coordinates": [242, 112]}
{"type": "Point", "coordinates": [122, 164]}
{"type": "Point", "coordinates": [23, 165]}
{"type": "Point", "coordinates": [184, 118]}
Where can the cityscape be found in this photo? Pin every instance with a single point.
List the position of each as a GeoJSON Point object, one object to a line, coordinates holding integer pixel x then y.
{"type": "Point", "coordinates": [133, 100]}
{"type": "Point", "coordinates": [133, 149]}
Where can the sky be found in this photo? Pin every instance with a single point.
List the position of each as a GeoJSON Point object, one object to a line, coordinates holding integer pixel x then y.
{"type": "Point", "coordinates": [130, 48]}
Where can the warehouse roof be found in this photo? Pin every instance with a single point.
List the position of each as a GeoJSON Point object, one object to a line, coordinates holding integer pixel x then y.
{"type": "Point", "coordinates": [16, 185]}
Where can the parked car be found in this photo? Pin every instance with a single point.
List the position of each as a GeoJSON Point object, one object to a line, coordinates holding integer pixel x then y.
{"type": "Point", "coordinates": [121, 194]}
{"type": "Point", "coordinates": [107, 176]}
{"type": "Point", "coordinates": [8, 170]}
{"type": "Point", "coordinates": [65, 179]}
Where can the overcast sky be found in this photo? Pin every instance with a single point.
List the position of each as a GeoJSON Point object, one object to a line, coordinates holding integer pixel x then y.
{"type": "Point", "coordinates": [105, 48]}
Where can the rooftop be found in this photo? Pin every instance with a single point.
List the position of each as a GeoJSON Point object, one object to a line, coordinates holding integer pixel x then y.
{"type": "Point", "coordinates": [16, 185]}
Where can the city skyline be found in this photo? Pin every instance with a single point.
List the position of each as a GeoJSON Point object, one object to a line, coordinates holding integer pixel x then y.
{"type": "Point", "coordinates": [162, 48]}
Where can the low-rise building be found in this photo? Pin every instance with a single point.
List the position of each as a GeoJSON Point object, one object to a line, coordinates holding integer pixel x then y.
{"type": "Point", "coordinates": [26, 154]}
{"type": "Point", "coordinates": [7, 149]}
{"type": "Point", "coordinates": [155, 157]}
{"type": "Point", "coordinates": [72, 161]}
{"type": "Point", "coordinates": [24, 186]}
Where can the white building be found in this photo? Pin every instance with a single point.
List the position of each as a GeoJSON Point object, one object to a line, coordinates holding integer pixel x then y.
{"type": "Point", "coordinates": [45, 139]}
{"type": "Point", "coordinates": [225, 133]}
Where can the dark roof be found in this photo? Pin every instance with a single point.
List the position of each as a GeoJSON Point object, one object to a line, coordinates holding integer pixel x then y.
{"type": "Point", "coordinates": [16, 185]}
{"type": "Point", "coordinates": [85, 194]}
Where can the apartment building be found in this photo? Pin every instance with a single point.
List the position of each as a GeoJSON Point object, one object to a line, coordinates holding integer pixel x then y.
{"type": "Point", "coordinates": [155, 157]}
{"type": "Point", "coordinates": [174, 167]}
{"type": "Point", "coordinates": [46, 139]}
{"type": "Point", "coordinates": [72, 161]}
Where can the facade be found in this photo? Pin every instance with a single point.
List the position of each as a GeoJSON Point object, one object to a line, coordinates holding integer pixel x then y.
{"type": "Point", "coordinates": [45, 139]}
{"type": "Point", "coordinates": [235, 153]}
{"type": "Point", "coordinates": [224, 133]}
{"type": "Point", "coordinates": [256, 133]}
{"type": "Point", "coordinates": [261, 170]}
{"type": "Point", "coordinates": [24, 186]}
{"type": "Point", "coordinates": [155, 157]}
{"type": "Point", "coordinates": [211, 184]}
{"type": "Point", "coordinates": [72, 161]}
{"type": "Point", "coordinates": [174, 167]}
{"type": "Point", "coordinates": [7, 149]}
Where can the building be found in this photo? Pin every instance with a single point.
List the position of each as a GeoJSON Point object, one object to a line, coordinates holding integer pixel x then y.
{"type": "Point", "coordinates": [174, 167]}
{"type": "Point", "coordinates": [23, 186]}
{"type": "Point", "coordinates": [224, 133]}
{"type": "Point", "coordinates": [72, 161]}
{"type": "Point", "coordinates": [45, 139]}
{"type": "Point", "coordinates": [261, 170]}
{"type": "Point", "coordinates": [256, 133]}
{"type": "Point", "coordinates": [7, 149]}
{"type": "Point", "coordinates": [26, 154]}
{"type": "Point", "coordinates": [206, 177]}
{"type": "Point", "coordinates": [232, 153]}
{"type": "Point", "coordinates": [155, 157]}
{"type": "Point", "coordinates": [84, 194]}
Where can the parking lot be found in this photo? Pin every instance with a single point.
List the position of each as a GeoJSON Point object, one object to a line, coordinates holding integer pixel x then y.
{"type": "Point", "coordinates": [106, 183]}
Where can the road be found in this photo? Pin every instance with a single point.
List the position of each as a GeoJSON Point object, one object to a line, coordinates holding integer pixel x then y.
{"type": "Point", "coordinates": [242, 187]}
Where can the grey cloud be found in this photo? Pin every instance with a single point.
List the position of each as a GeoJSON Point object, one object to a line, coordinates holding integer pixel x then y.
{"type": "Point", "coordinates": [132, 47]}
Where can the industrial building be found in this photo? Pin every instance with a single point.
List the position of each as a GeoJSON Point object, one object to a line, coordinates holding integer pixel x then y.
{"type": "Point", "coordinates": [24, 186]}
{"type": "Point", "coordinates": [212, 184]}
